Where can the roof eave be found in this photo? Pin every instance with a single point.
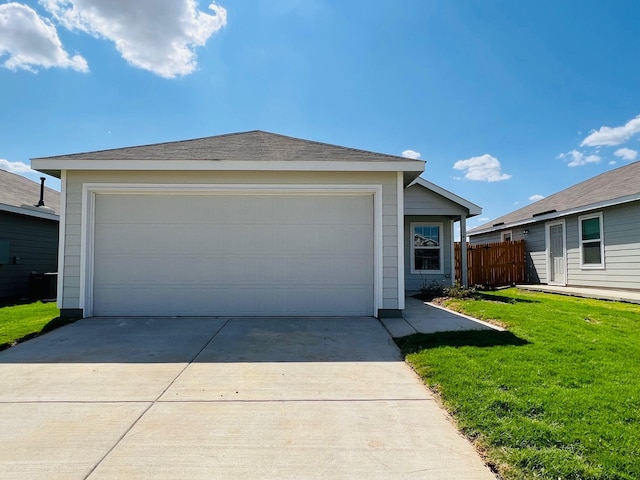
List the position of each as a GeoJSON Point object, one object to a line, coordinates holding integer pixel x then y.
{"type": "Point", "coordinates": [31, 212]}
{"type": "Point", "coordinates": [53, 166]}
{"type": "Point", "coordinates": [555, 215]}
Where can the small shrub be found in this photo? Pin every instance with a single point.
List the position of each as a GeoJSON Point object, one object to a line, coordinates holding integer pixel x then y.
{"type": "Point", "coordinates": [433, 290]}
{"type": "Point", "coordinates": [459, 291]}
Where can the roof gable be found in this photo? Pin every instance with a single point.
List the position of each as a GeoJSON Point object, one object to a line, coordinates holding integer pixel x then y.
{"type": "Point", "coordinates": [17, 191]}
{"type": "Point", "coordinates": [609, 188]}
{"type": "Point", "coordinates": [472, 208]}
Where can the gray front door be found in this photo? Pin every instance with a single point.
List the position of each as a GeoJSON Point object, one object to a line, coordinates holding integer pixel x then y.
{"type": "Point", "coordinates": [557, 271]}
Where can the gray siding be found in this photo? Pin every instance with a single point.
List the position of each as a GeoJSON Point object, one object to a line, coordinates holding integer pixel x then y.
{"type": "Point", "coordinates": [535, 242]}
{"type": "Point", "coordinates": [621, 229]}
{"type": "Point", "coordinates": [491, 237]}
{"type": "Point", "coordinates": [414, 282]}
{"type": "Point", "coordinates": [35, 242]}
{"type": "Point", "coordinates": [421, 201]}
{"type": "Point", "coordinates": [73, 213]}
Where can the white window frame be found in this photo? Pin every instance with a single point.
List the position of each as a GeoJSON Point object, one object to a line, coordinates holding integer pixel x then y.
{"type": "Point", "coordinates": [440, 247]}
{"type": "Point", "coordinates": [504, 234]}
{"type": "Point", "coordinates": [591, 266]}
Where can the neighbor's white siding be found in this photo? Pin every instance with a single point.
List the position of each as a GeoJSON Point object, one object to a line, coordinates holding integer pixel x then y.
{"type": "Point", "coordinates": [73, 213]}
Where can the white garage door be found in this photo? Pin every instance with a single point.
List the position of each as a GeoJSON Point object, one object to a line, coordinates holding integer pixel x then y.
{"type": "Point", "coordinates": [233, 255]}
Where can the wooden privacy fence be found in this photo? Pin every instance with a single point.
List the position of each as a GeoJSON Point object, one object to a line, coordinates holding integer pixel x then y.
{"type": "Point", "coordinates": [494, 264]}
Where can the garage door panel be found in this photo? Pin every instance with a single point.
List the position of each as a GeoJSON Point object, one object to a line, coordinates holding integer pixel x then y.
{"type": "Point", "coordinates": [225, 238]}
{"type": "Point", "coordinates": [167, 270]}
{"type": "Point", "coordinates": [233, 302]}
{"type": "Point", "coordinates": [233, 209]}
{"type": "Point", "coordinates": [233, 255]}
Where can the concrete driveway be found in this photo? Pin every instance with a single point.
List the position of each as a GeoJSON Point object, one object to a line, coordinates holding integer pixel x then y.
{"type": "Point", "coordinates": [197, 398]}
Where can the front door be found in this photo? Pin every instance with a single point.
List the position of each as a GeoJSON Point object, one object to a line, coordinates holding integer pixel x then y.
{"type": "Point", "coordinates": [556, 253]}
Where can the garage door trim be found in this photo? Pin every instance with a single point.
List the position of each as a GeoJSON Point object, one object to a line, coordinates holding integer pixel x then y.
{"type": "Point", "coordinates": [90, 190]}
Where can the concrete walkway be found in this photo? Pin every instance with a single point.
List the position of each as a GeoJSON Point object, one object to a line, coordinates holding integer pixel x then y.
{"type": "Point", "coordinates": [195, 398]}
{"type": "Point", "coordinates": [631, 296]}
{"type": "Point", "coordinates": [424, 317]}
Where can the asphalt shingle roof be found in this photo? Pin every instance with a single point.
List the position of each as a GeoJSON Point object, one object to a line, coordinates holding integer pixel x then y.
{"type": "Point", "coordinates": [245, 146]}
{"type": "Point", "coordinates": [16, 191]}
{"type": "Point", "coordinates": [606, 187]}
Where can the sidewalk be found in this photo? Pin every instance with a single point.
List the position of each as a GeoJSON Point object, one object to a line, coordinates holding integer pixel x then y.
{"type": "Point", "coordinates": [424, 317]}
{"type": "Point", "coordinates": [631, 296]}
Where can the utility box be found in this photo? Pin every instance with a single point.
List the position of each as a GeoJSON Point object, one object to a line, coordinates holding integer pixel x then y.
{"type": "Point", "coordinates": [43, 286]}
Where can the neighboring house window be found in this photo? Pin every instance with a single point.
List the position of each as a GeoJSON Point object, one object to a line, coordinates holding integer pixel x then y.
{"type": "Point", "coordinates": [426, 249]}
{"type": "Point", "coordinates": [507, 236]}
{"type": "Point", "coordinates": [591, 241]}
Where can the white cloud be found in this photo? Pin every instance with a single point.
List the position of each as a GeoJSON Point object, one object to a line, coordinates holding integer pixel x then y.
{"type": "Point", "coordinates": [536, 197]}
{"type": "Point", "coordinates": [626, 154]}
{"type": "Point", "coordinates": [15, 167]}
{"type": "Point", "coordinates": [411, 154]}
{"type": "Point", "coordinates": [613, 136]}
{"type": "Point", "coordinates": [482, 219]}
{"type": "Point", "coordinates": [484, 168]}
{"type": "Point", "coordinates": [612, 162]}
{"type": "Point", "coordinates": [578, 158]}
{"type": "Point", "coordinates": [31, 41]}
{"type": "Point", "coordinates": [24, 170]}
{"type": "Point", "coordinates": [156, 35]}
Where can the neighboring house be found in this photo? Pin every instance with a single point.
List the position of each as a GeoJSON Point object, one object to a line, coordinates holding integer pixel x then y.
{"type": "Point", "coordinates": [248, 224]}
{"type": "Point", "coordinates": [587, 235]}
{"type": "Point", "coordinates": [28, 234]}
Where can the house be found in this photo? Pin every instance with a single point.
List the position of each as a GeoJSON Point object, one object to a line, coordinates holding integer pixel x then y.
{"type": "Point", "coordinates": [247, 224]}
{"type": "Point", "coordinates": [28, 234]}
{"type": "Point", "coordinates": [587, 235]}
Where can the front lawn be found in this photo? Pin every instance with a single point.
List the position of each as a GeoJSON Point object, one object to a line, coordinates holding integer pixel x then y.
{"type": "Point", "coordinates": [555, 397]}
{"type": "Point", "coordinates": [19, 322]}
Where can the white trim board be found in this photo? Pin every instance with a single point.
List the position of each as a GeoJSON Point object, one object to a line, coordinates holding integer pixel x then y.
{"type": "Point", "coordinates": [225, 165]}
{"type": "Point", "coordinates": [400, 201]}
{"type": "Point", "coordinates": [89, 191]}
{"type": "Point", "coordinates": [61, 239]}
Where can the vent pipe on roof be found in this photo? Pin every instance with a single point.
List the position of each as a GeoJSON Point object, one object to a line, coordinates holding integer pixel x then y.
{"type": "Point", "coordinates": [41, 202]}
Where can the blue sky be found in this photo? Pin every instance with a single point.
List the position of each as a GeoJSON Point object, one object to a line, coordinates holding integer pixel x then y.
{"type": "Point", "coordinates": [505, 100]}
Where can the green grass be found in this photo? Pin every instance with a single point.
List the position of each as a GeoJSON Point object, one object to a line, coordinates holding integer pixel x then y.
{"type": "Point", "coordinates": [20, 322]}
{"type": "Point", "coordinates": [555, 397]}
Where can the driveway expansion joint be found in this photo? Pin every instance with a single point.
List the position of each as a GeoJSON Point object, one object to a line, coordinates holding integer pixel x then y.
{"type": "Point", "coordinates": [152, 403]}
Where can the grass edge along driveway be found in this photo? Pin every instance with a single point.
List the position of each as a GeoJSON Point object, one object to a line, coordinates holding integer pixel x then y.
{"type": "Point", "coordinates": [22, 322]}
{"type": "Point", "coordinates": [555, 397]}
